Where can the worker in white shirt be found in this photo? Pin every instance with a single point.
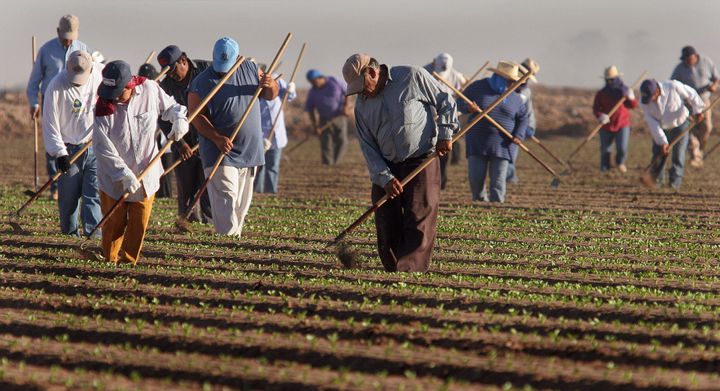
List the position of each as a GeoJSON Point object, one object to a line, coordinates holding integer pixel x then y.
{"type": "Point", "coordinates": [664, 104]}
{"type": "Point", "coordinates": [124, 138]}
{"type": "Point", "coordinates": [68, 108]}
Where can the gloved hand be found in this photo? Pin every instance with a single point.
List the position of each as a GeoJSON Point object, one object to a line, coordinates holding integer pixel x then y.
{"type": "Point", "coordinates": [603, 119]}
{"type": "Point", "coordinates": [179, 129]}
{"type": "Point", "coordinates": [629, 93]}
{"type": "Point", "coordinates": [130, 184]}
{"type": "Point", "coordinates": [267, 144]}
{"type": "Point", "coordinates": [291, 87]}
{"type": "Point", "coordinates": [63, 163]}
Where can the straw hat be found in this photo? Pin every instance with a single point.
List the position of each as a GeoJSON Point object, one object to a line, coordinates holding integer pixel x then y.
{"type": "Point", "coordinates": [612, 72]}
{"type": "Point", "coordinates": [507, 69]}
{"type": "Point", "coordinates": [530, 64]}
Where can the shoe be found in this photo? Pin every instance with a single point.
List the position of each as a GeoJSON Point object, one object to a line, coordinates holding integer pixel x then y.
{"type": "Point", "coordinates": [622, 168]}
{"type": "Point", "coordinates": [697, 163]}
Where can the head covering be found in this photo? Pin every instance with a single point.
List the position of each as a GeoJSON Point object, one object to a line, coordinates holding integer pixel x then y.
{"type": "Point", "coordinates": [530, 64]}
{"type": "Point", "coordinates": [508, 70]}
{"type": "Point", "coordinates": [443, 62]}
{"type": "Point", "coordinates": [611, 72]}
{"type": "Point", "coordinates": [687, 51]}
{"type": "Point", "coordinates": [69, 27]}
{"type": "Point", "coordinates": [648, 88]}
{"type": "Point", "coordinates": [225, 54]}
{"type": "Point", "coordinates": [313, 74]}
{"type": "Point", "coordinates": [353, 72]}
{"type": "Point", "coordinates": [169, 56]}
{"type": "Point", "coordinates": [116, 75]}
{"type": "Point", "coordinates": [79, 66]}
{"type": "Point", "coordinates": [148, 71]}
{"type": "Point", "coordinates": [98, 57]}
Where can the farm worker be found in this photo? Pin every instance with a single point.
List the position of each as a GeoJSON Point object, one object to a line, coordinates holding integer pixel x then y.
{"type": "Point", "coordinates": [150, 72]}
{"type": "Point", "coordinates": [526, 96]}
{"type": "Point", "coordinates": [700, 73]}
{"type": "Point", "coordinates": [189, 175]}
{"type": "Point", "coordinates": [327, 102]}
{"type": "Point", "coordinates": [616, 127]}
{"type": "Point", "coordinates": [394, 115]}
{"type": "Point", "coordinates": [68, 115]}
{"type": "Point", "coordinates": [231, 188]}
{"type": "Point", "coordinates": [266, 180]}
{"type": "Point", "coordinates": [488, 150]}
{"type": "Point", "coordinates": [664, 104]}
{"type": "Point", "coordinates": [51, 59]}
{"type": "Point", "coordinates": [124, 139]}
{"type": "Point", "coordinates": [443, 65]}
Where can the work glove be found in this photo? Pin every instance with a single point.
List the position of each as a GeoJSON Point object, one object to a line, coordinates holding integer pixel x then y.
{"type": "Point", "coordinates": [179, 129]}
{"type": "Point", "coordinates": [267, 144]}
{"type": "Point", "coordinates": [130, 184]}
{"type": "Point", "coordinates": [291, 88]}
{"type": "Point", "coordinates": [603, 119]}
{"type": "Point", "coordinates": [63, 163]}
{"type": "Point", "coordinates": [629, 93]}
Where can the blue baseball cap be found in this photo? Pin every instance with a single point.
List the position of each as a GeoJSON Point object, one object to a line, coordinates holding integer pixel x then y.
{"type": "Point", "coordinates": [313, 74]}
{"type": "Point", "coordinates": [169, 56]}
{"type": "Point", "coordinates": [648, 88]}
{"type": "Point", "coordinates": [225, 54]}
{"type": "Point", "coordinates": [116, 76]}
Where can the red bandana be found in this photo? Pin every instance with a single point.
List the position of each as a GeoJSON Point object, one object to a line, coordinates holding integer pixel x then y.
{"type": "Point", "coordinates": [106, 107]}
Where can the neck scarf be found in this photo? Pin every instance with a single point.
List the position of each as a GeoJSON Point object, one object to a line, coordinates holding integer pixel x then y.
{"type": "Point", "coordinates": [106, 107]}
{"type": "Point", "coordinates": [498, 83]}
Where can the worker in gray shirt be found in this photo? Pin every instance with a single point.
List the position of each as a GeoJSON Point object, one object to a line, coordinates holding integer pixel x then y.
{"type": "Point", "coordinates": [397, 132]}
{"type": "Point", "coordinates": [700, 73]}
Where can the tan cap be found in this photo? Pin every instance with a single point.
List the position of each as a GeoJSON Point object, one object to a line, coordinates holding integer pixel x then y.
{"type": "Point", "coordinates": [68, 27]}
{"type": "Point", "coordinates": [507, 69]}
{"type": "Point", "coordinates": [612, 72]}
{"type": "Point", "coordinates": [79, 66]}
{"type": "Point", "coordinates": [353, 72]}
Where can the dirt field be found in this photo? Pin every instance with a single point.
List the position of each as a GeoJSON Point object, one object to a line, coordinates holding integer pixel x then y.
{"type": "Point", "coordinates": [600, 284]}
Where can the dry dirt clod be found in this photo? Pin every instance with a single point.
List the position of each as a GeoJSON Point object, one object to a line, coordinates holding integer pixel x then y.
{"type": "Point", "coordinates": [349, 258]}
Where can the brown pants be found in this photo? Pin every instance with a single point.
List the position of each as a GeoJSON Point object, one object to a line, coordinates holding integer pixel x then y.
{"type": "Point", "coordinates": [407, 225]}
{"type": "Point", "coordinates": [124, 232]}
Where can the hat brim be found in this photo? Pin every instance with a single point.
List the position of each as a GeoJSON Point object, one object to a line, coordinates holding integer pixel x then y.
{"type": "Point", "coordinates": [110, 92]}
{"type": "Point", "coordinates": [356, 87]}
{"type": "Point", "coordinates": [504, 74]}
{"type": "Point", "coordinates": [80, 78]}
{"type": "Point", "coordinates": [69, 35]}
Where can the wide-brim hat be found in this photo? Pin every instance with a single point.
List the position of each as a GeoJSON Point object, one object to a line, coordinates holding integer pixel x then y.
{"type": "Point", "coordinates": [116, 76]}
{"type": "Point", "coordinates": [507, 69]}
{"type": "Point", "coordinates": [530, 64]}
{"type": "Point", "coordinates": [611, 72]}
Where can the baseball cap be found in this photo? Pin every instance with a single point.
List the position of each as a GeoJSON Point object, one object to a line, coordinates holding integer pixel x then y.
{"type": "Point", "coordinates": [648, 88]}
{"type": "Point", "coordinates": [79, 66]}
{"type": "Point", "coordinates": [148, 70]}
{"type": "Point", "coordinates": [687, 51]}
{"type": "Point", "coordinates": [225, 54]}
{"type": "Point", "coordinates": [353, 72]}
{"type": "Point", "coordinates": [68, 27]}
{"type": "Point", "coordinates": [313, 74]}
{"type": "Point", "coordinates": [443, 62]}
{"type": "Point", "coordinates": [116, 75]}
{"type": "Point", "coordinates": [169, 56]}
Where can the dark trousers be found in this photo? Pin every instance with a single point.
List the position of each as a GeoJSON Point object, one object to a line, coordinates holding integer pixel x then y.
{"type": "Point", "coordinates": [189, 177]}
{"type": "Point", "coordinates": [407, 225]}
{"type": "Point", "coordinates": [333, 140]}
{"type": "Point", "coordinates": [165, 190]}
{"type": "Point", "coordinates": [444, 160]}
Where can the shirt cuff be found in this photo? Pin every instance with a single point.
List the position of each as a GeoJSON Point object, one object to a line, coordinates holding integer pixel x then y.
{"type": "Point", "coordinates": [383, 178]}
{"type": "Point", "coordinates": [445, 133]}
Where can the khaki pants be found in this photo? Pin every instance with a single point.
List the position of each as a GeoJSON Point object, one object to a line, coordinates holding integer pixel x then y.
{"type": "Point", "coordinates": [700, 134]}
{"type": "Point", "coordinates": [231, 192]}
{"type": "Point", "coordinates": [124, 231]}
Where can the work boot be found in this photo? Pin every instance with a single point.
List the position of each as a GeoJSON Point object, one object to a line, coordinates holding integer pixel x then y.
{"type": "Point", "coordinates": [622, 168]}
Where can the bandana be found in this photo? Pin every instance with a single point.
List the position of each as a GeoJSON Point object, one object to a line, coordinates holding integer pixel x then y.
{"type": "Point", "coordinates": [498, 83]}
{"type": "Point", "coordinates": [614, 87]}
{"type": "Point", "coordinates": [105, 107]}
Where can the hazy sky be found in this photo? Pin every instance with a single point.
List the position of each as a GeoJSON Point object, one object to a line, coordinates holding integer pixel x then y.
{"type": "Point", "coordinates": [572, 40]}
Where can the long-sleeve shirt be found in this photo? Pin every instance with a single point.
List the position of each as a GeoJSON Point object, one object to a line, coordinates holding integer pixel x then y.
{"type": "Point", "coordinates": [124, 142]}
{"type": "Point", "coordinates": [526, 96]}
{"type": "Point", "coordinates": [269, 110]}
{"type": "Point", "coordinates": [50, 60]}
{"type": "Point", "coordinates": [484, 139]}
{"type": "Point", "coordinates": [179, 91]}
{"type": "Point", "coordinates": [452, 76]}
{"type": "Point", "coordinates": [397, 124]}
{"type": "Point", "coordinates": [68, 111]}
{"type": "Point", "coordinates": [328, 100]}
{"type": "Point", "coordinates": [605, 100]}
{"type": "Point", "coordinates": [699, 76]}
{"type": "Point", "coordinates": [669, 110]}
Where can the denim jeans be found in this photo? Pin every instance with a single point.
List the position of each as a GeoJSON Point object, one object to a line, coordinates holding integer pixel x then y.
{"type": "Point", "coordinates": [266, 180]}
{"type": "Point", "coordinates": [678, 157]}
{"type": "Point", "coordinates": [512, 175]}
{"type": "Point", "coordinates": [78, 194]}
{"type": "Point", "coordinates": [621, 138]}
{"type": "Point", "coordinates": [478, 167]}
